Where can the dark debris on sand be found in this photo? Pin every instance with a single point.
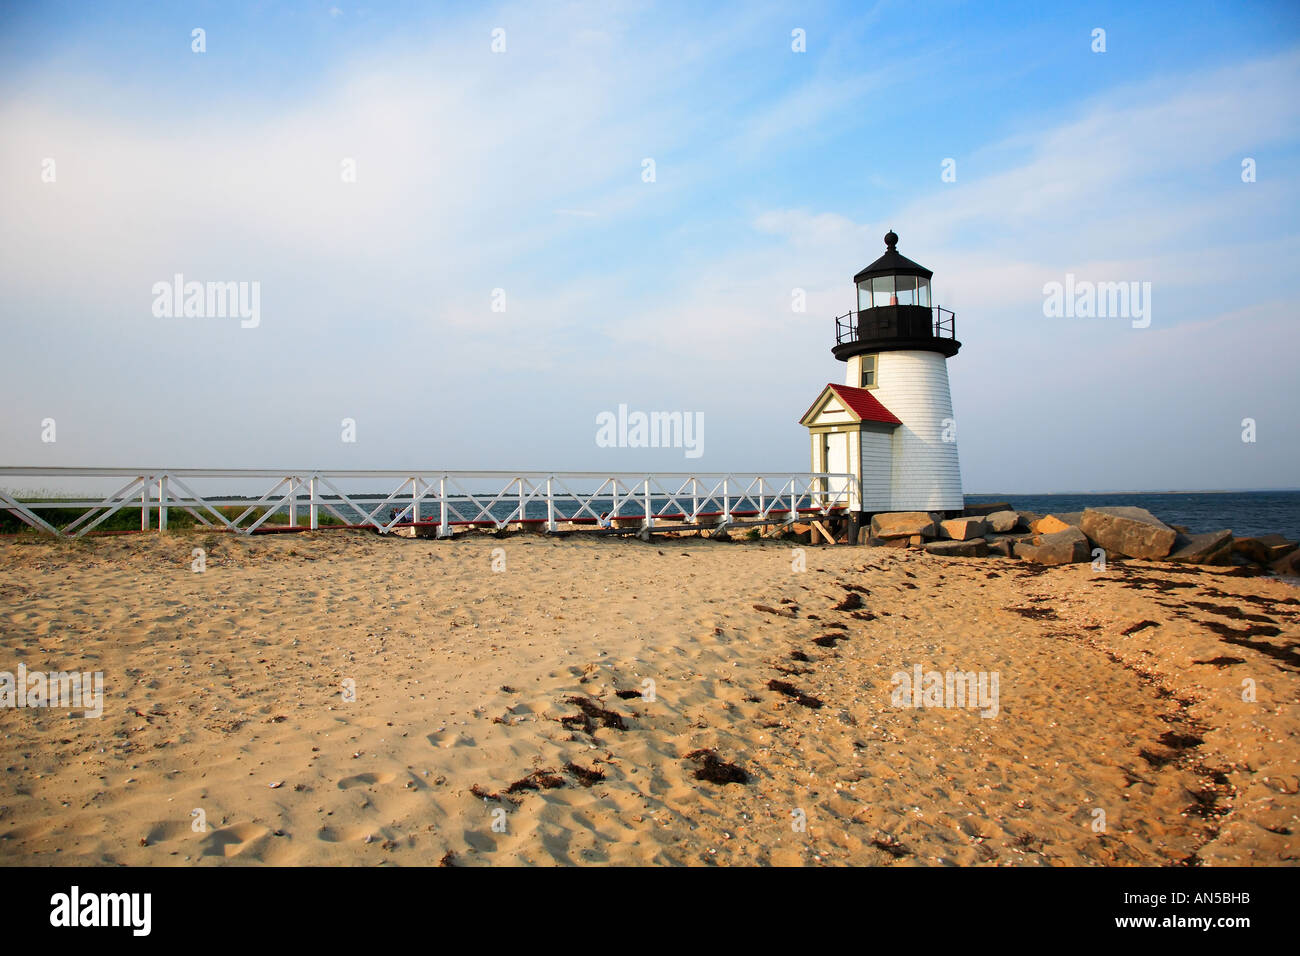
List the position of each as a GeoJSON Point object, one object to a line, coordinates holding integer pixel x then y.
{"type": "Point", "coordinates": [537, 780]}
{"type": "Point", "coordinates": [1222, 662]}
{"type": "Point", "coordinates": [830, 639]}
{"type": "Point", "coordinates": [586, 777]}
{"type": "Point", "coordinates": [852, 601]}
{"type": "Point", "coordinates": [714, 769]}
{"type": "Point", "coordinates": [789, 671]}
{"type": "Point", "coordinates": [794, 693]}
{"type": "Point", "coordinates": [1230, 612]}
{"type": "Point", "coordinates": [1244, 637]}
{"type": "Point", "coordinates": [1037, 613]}
{"type": "Point", "coordinates": [1175, 744]}
{"type": "Point", "coordinates": [592, 714]}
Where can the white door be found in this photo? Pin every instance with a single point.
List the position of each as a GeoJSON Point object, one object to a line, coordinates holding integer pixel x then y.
{"type": "Point", "coordinates": [836, 455]}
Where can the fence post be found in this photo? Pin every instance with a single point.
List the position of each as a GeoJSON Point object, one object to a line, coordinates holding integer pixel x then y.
{"type": "Point", "coordinates": [293, 502]}
{"type": "Point", "coordinates": [550, 506]}
{"type": "Point", "coordinates": [144, 505]}
{"type": "Point", "coordinates": [443, 530]}
{"type": "Point", "coordinates": [162, 503]}
{"type": "Point", "coordinates": [313, 513]}
{"type": "Point", "coordinates": [415, 503]}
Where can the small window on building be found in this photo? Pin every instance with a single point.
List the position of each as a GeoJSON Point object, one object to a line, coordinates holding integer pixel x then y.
{"type": "Point", "coordinates": [868, 371]}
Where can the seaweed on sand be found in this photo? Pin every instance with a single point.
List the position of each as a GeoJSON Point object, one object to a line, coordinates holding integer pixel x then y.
{"type": "Point", "coordinates": [586, 777]}
{"type": "Point", "coordinates": [591, 714]}
{"type": "Point", "coordinates": [714, 769]}
{"type": "Point", "coordinates": [794, 693]}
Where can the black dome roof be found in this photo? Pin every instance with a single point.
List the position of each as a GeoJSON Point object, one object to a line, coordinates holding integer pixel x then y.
{"type": "Point", "coordinates": [891, 263]}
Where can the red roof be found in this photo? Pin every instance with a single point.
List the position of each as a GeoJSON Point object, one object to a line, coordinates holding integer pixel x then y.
{"type": "Point", "coordinates": [863, 404]}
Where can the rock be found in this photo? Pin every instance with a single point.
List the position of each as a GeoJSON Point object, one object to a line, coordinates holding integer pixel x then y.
{"type": "Point", "coordinates": [1014, 537]}
{"type": "Point", "coordinates": [1049, 525]}
{"type": "Point", "coordinates": [982, 511]}
{"type": "Point", "coordinates": [1213, 547]}
{"type": "Point", "coordinates": [1134, 532]}
{"type": "Point", "coordinates": [963, 529]}
{"type": "Point", "coordinates": [972, 548]}
{"type": "Point", "coordinates": [887, 542]}
{"type": "Point", "coordinates": [1264, 548]}
{"type": "Point", "coordinates": [1288, 564]}
{"type": "Point", "coordinates": [1002, 521]}
{"type": "Point", "coordinates": [904, 524]}
{"type": "Point", "coordinates": [1057, 522]}
{"type": "Point", "coordinates": [1062, 547]}
{"type": "Point", "coordinates": [1003, 546]}
{"type": "Point", "coordinates": [1027, 519]}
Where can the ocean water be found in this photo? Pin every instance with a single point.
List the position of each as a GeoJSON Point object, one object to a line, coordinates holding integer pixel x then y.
{"type": "Point", "coordinates": [1245, 512]}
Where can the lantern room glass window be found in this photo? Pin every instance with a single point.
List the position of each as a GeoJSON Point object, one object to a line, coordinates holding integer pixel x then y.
{"type": "Point", "coordinates": [893, 290]}
{"type": "Point", "coordinates": [905, 290]}
{"type": "Point", "coordinates": [882, 290]}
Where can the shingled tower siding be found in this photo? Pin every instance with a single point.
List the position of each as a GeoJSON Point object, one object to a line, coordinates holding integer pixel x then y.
{"type": "Point", "coordinates": [874, 470]}
{"type": "Point", "coordinates": [925, 474]}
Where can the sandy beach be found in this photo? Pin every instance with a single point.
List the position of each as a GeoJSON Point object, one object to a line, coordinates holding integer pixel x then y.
{"type": "Point", "coordinates": [517, 699]}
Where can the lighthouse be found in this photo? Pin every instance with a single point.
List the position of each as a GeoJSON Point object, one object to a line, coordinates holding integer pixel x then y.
{"type": "Point", "coordinates": [891, 425]}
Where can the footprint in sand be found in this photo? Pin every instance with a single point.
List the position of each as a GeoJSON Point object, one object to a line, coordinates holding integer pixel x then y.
{"type": "Point", "coordinates": [28, 831]}
{"type": "Point", "coordinates": [342, 834]}
{"type": "Point", "coordinates": [165, 830]}
{"type": "Point", "coordinates": [365, 780]}
{"type": "Point", "coordinates": [450, 738]}
{"type": "Point", "coordinates": [232, 841]}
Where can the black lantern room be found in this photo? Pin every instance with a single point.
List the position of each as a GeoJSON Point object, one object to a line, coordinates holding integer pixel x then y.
{"type": "Point", "coordinates": [894, 310]}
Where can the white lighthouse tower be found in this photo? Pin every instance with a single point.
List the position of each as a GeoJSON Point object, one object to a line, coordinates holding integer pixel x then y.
{"type": "Point", "coordinates": [891, 423]}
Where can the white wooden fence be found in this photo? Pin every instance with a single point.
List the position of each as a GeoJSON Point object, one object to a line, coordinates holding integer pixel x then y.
{"type": "Point", "coordinates": [444, 499]}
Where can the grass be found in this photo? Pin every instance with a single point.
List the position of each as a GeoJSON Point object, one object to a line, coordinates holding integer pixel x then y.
{"type": "Point", "coordinates": [128, 519]}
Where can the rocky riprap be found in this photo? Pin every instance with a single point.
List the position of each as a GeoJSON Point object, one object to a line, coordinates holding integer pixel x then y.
{"type": "Point", "coordinates": [1075, 536]}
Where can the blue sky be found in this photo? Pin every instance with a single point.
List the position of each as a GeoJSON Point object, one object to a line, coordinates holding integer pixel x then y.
{"type": "Point", "coordinates": [775, 170]}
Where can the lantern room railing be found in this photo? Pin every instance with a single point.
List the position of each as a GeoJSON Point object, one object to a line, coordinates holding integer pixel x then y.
{"type": "Point", "coordinates": [885, 323]}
